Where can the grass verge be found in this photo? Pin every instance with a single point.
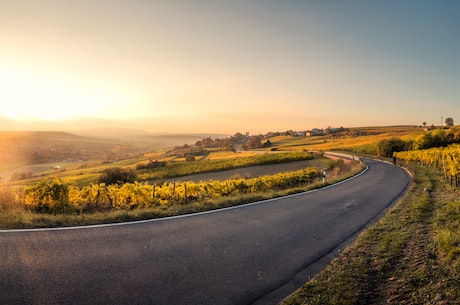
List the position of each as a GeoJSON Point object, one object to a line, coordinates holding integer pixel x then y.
{"type": "Point", "coordinates": [401, 258]}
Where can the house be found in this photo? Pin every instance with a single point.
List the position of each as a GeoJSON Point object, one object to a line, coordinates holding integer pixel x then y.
{"type": "Point", "coordinates": [315, 132]}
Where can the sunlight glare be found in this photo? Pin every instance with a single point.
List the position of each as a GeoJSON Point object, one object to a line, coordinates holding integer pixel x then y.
{"type": "Point", "coordinates": [29, 95]}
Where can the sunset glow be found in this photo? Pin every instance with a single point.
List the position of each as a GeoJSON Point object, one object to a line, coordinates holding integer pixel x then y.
{"type": "Point", "coordinates": [230, 66]}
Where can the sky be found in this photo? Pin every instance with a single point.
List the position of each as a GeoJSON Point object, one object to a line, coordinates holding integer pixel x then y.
{"type": "Point", "coordinates": [228, 66]}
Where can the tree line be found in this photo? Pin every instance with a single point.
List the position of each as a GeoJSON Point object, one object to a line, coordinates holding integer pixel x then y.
{"type": "Point", "coordinates": [436, 138]}
{"type": "Point", "coordinates": [236, 142]}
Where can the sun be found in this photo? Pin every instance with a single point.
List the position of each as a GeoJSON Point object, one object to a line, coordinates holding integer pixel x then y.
{"type": "Point", "coordinates": [29, 95]}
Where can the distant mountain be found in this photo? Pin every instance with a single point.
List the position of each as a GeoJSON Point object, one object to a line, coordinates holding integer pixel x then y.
{"type": "Point", "coordinates": [140, 137]}
{"type": "Point", "coordinates": [112, 132]}
{"type": "Point", "coordinates": [99, 128]}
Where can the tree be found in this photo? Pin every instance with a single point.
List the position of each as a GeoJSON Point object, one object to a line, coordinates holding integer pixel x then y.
{"type": "Point", "coordinates": [438, 138]}
{"type": "Point", "coordinates": [424, 142]}
{"type": "Point", "coordinates": [387, 147]}
{"type": "Point", "coordinates": [255, 142]}
{"type": "Point", "coordinates": [117, 175]}
{"type": "Point", "coordinates": [449, 122]}
{"type": "Point", "coordinates": [455, 131]}
{"type": "Point", "coordinates": [238, 141]}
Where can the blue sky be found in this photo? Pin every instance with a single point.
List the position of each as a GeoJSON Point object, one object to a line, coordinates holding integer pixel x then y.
{"type": "Point", "coordinates": [227, 66]}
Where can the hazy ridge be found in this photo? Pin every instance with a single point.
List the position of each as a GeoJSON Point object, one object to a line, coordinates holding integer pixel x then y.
{"type": "Point", "coordinates": [32, 147]}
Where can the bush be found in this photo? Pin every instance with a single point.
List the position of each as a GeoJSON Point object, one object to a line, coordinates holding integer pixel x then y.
{"type": "Point", "coordinates": [118, 176]}
{"type": "Point", "coordinates": [387, 147]}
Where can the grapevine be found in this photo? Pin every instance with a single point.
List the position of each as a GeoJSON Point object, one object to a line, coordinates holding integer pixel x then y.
{"type": "Point", "coordinates": [446, 159]}
{"type": "Point", "coordinates": [54, 196]}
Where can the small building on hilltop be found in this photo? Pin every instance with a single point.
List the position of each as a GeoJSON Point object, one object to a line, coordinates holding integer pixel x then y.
{"type": "Point", "coordinates": [315, 132]}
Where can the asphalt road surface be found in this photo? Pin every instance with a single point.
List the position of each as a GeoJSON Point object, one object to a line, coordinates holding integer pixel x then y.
{"type": "Point", "coordinates": [256, 254]}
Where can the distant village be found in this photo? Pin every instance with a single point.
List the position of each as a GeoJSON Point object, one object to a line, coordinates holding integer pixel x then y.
{"type": "Point", "coordinates": [322, 132]}
{"type": "Point", "coordinates": [308, 133]}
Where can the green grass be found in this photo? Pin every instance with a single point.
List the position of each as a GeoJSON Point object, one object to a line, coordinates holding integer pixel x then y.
{"type": "Point", "coordinates": [179, 169]}
{"type": "Point", "coordinates": [401, 259]}
{"type": "Point", "coordinates": [295, 142]}
{"type": "Point", "coordinates": [447, 226]}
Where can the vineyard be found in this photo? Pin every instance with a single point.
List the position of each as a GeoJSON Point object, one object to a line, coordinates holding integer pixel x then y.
{"type": "Point", "coordinates": [54, 196]}
{"type": "Point", "coordinates": [158, 170]}
{"type": "Point", "coordinates": [76, 193]}
{"type": "Point", "coordinates": [446, 159]}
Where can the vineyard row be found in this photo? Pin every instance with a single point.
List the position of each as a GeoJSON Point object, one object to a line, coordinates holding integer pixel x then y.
{"type": "Point", "coordinates": [53, 196]}
{"type": "Point", "coordinates": [446, 159]}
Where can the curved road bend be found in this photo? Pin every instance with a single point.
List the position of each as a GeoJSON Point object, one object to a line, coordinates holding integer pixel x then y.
{"type": "Point", "coordinates": [254, 254]}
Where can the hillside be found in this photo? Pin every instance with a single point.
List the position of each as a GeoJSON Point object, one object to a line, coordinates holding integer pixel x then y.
{"type": "Point", "coordinates": [20, 148]}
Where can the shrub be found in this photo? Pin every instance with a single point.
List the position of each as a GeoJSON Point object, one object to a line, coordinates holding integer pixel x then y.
{"type": "Point", "coordinates": [118, 176]}
{"type": "Point", "coordinates": [387, 147]}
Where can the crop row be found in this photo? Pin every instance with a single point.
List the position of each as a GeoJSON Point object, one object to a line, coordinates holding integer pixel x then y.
{"type": "Point", "coordinates": [161, 170]}
{"type": "Point", "coordinates": [447, 159]}
{"type": "Point", "coordinates": [54, 196]}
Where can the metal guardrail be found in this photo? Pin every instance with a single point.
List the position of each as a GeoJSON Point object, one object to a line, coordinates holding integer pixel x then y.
{"type": "Point", "coordinates": [342, 155]}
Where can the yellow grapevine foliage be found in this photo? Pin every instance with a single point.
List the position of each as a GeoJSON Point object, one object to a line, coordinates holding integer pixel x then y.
{"type": "Point", "coordinates": [447, 159]}
{"type": "Point", "coordinates": [53, 196]}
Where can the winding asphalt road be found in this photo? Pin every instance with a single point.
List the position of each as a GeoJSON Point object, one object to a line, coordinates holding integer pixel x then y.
{"type": "Point", "coordinates": [255, 254]}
